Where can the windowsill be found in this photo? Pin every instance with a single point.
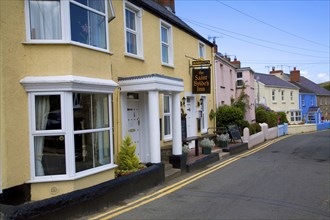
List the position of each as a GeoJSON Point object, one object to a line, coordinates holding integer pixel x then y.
{"type": "Point", "coordinates": [62, 178]}
{"type": "Point", "coordinates": [168, 139]}
{"type": "Point", "coordinates": [292, 102]}
{"type": "Point", "coordinates": [129, 55]}
{"type": "Point", "coordinates": [67, 43]}
{"type": "Point", "coordinates": [274, 102]}
{"type": "Point", "coordinates": [168, 65]}
{"type": "Point", "coordinates": [283, 102]}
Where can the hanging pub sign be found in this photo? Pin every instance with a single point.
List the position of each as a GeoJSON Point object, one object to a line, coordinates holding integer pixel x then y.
{"type": "Point", "coordinates": [201, 81]}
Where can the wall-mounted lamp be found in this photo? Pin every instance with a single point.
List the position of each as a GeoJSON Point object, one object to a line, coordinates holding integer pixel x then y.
{"type": "Point", "coordinates": [183, 102]}
{"type": "Point", "coordinates": [200, 102]}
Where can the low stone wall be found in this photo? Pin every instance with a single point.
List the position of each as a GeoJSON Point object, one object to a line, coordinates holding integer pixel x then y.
{"type": "Point", "coordinates": [296, 129]}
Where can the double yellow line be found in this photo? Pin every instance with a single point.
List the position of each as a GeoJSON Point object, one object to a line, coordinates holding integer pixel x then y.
{"type": "Point", "coordinates": [169, 189]}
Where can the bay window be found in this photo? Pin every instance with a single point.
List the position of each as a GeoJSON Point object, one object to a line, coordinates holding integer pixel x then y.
{"type": "Point", "coordinates": [71, 131]}
{"type": "Point", "coordinates": [46, 22]}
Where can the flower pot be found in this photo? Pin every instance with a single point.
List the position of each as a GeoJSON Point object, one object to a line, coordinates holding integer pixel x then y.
{"type": "Point", "coordinates": [223, 144]}
{"type": "Point", "coordinates": [206, 150]}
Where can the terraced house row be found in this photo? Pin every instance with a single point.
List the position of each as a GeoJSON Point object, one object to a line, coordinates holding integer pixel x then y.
{"type": "Point", "coordinates": [77, 76]}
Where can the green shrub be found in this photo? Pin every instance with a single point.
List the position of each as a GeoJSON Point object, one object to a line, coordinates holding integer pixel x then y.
{"type": "Point", "coordinates": [265, 115]}
{"type": "Point", "coordinates": [282, 116]}
{"type": "Point", "coordinates": [254, 128]}
{"type": "Point", "coordinates": [228, 115]}
{"type": "Point", "coordinates": [128, 161]}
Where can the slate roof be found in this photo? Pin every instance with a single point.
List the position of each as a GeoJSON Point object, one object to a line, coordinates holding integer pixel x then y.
{"type": "Point", "coordinates": [311, 86]}
{"type": "Point", "coordinates": [302, 89]}
{"type": "Point", "coordinates": [274, 81]}
{"type": "Point", "coordinates": [168, 16]}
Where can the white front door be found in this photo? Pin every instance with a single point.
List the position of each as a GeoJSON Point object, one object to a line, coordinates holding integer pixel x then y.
{"type": "Point", "coordinates": [191, 119]}
{"type": "Point", "coordinates": [133, 124]}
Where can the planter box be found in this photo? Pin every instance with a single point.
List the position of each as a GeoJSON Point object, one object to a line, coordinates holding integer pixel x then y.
{"type": "Point", "coordinates": [206, 150]}
{"type": "Point", "coordinates": [88, 200]}
{"type": "Point", "coordinates": [222, 144]}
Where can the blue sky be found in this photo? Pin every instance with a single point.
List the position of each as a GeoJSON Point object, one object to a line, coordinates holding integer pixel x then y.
{"type": "Point", "coordinates": [262, 34]}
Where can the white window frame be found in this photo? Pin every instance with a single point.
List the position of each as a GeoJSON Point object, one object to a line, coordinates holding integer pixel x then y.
{"type": "Point", "coordinates": [201, 50]}
{"type": "Point", "coordinates": [295, 116]}
{"type": "Point", "coordinates": [60, 86]}
{"type": "Point", "coordinates": [204, 117]}
{"type": "Point", "coordinates": [273, 95]}
{"type": "Point", "coordinates": [167, 137]}
{"type": "Point", "coordinates": [303, 100]}
{"type": "Point", "coordinates": [138, 32]}
{"type": "Point", "coordinates": [66, 26]}
{"type": "Point", "coordinates": [168, 44]}
{"type": "Point", "coordinates": [291, 96]}
{"type": "Point", "coordinates": [283, 96]}
{"type": "Point", "coordinates": [239, 80]}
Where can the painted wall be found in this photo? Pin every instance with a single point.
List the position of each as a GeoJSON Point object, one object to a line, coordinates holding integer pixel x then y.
{"type": "Point", "coordinates": [324, 103]}
{"type": "Point", "coordinates": [225, 75]}
{"type": "Point", "coordinates": [309, 101]}
{"type": "Point", "coordinates": [20, 59]}
{"type": "Point", "coordinates": [265, 93]}
{"type": "Point", "coordinates": [248, 78]}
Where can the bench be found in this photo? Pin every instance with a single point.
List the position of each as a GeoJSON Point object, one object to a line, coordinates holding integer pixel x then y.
{"type": "Point", "coordinates": [190, 139]}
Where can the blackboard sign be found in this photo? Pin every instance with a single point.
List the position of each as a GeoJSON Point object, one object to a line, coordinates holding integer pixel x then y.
{"type": "Point", "coordinates": [234, 132]}
{"type": "Point", "coordinates": [201, 81]}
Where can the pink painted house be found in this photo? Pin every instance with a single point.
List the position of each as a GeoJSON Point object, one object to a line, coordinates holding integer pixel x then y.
{"type": "Point", "coordinates": [229, 78]}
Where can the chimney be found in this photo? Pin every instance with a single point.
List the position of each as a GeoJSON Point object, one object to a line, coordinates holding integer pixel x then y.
{"type": "Point", "coordinates": [168, 4]}
{"type": "Point", "coordinates": [236, 63]}
{"type": "Point", "coordinates": [215, 47]}
{"type": "Point", "coordinates": [276, 72]}
{"type": "Point", "coordinates": [295, 75]}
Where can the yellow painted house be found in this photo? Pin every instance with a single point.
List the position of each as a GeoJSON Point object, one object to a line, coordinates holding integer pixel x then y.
{"type": "Point", "coordinates": [76, 76]}
{"type": "Point", "coordinates": [279, 95]}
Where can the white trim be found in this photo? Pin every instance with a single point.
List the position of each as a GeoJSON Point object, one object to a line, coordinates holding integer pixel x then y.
{"type": "Point", "coordinates": [66, 25]}
{"type": "Point", "coordinates": [200, 43]}
{"type": "Point", "coordinates": [151, 83]}
{"type": "Point", "coordinates": [67, 83]}
{"type": "Point", "coordinates": [139, 32]}
{"type": "Point", "coordinates": [170, 47]}
{"type": "Point", "coordinates": [204, 112]}
{"type": "Point", "coordinates": [167, 137]}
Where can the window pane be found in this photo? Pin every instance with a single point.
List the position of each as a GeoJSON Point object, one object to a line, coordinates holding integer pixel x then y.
{"type": "Point", "coordinates": [166, 104]}
{"type": "Point", "coordinates": [92, 150]}
{"type": "Point", "coordinates": [167, 125]}
{"type": "Point", "coordinates": [45, 19]}
{"type": "Point", "coordinates": [92, 113]}
{"type": "Point", "coordinates": [130, 19]}
{"type": "Point", "coordinates": [95, 4]}
{"type": "Point", "coordinates": [164, 34]}
{"type": "Point", "coordinates": [48, 112]}
{"type": "Point", "coordinates": [131, 43]}
{"type": "Point", "coordinates": [49, 153]}
{"type": "Point", "coordinates": [164, 53]}
{"type": "Point", "coordinates": [79, 24]}
{"type": "Point", "coordinates": [87, 27]}
{"type": "Point", "coordinates": [239, 74]}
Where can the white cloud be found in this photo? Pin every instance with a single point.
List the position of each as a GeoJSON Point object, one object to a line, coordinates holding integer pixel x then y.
{"type": "Point", "coordinates": [322, 77]}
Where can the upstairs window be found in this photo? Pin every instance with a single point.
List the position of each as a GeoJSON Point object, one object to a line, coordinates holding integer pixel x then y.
{"type": "Point", "coordinates": [239, 79]}
{"type": "Point", "coordinates": [303, 100]}
{"type": "Point", "coordinates": [133, 30]}
{"type": "Point", "coordinates": [273, 95]}
{"type": "Point", "coordinates": [166, 43]}
{"type": "Point", "coordinates": [82, 22]}
{"type": "Point", "coordinates": [201, 50]}
{"type": "Point", "coordinates": [283, 96]}
{"type": "Point", "coordinates": [291, 96]}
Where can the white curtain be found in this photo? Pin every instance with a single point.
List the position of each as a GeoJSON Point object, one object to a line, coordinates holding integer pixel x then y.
{"type": "Point", "coordinates": [42, 109]}
{"type": "Point", "coordinates": [45, 19]}
{"type": "Point", "coordinates": [101, 120]}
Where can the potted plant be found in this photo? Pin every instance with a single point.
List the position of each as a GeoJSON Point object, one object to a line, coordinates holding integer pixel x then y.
{"type": "Point", "coordinates": [222, 140]}
{"type": "Point", "coordinates": [206, 145]}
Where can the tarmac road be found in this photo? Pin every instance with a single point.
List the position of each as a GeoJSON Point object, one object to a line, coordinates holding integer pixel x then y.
{"type": "Point", "coordinates": [284, 179]}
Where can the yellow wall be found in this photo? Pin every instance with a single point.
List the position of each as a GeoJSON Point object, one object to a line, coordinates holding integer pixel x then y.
{"type": "Point", "coordinates": [19, 59]}
{"type": "Point", "coordinates": [49, 189]}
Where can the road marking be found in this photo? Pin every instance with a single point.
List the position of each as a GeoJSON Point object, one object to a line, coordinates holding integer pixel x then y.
{"type": "Point", "coordinates": [174, 187]}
